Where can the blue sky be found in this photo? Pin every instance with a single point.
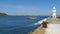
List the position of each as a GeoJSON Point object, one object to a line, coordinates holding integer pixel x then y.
{"type": "Point", "coordinates": [29, 7]}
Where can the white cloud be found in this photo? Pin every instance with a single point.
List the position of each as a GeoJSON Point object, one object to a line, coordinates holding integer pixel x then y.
{"type": "Point", "coordinates": [11, 9]}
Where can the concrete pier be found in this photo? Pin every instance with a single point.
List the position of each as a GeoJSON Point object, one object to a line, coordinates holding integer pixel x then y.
{"type": "Point", "coordinates": [53, 27]}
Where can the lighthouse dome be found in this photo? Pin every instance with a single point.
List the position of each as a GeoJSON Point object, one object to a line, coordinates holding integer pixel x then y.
{"type": "Point", "coordinates": [54, 7]}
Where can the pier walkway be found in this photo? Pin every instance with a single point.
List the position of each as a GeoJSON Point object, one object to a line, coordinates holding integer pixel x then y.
{"type": "Point", "coordinates": [53, 27]}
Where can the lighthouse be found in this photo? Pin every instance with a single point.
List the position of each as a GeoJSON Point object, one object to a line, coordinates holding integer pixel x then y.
{"type": "Point", "coordinates": [54, 12]}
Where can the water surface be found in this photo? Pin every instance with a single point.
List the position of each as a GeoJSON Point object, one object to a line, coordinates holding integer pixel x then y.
{"type": "Point", "coordinates": [18, 24]}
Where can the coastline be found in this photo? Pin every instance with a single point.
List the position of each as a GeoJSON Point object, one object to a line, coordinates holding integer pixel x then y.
{"type": "Point", "coordinates": [52, 22]}
{"type": "Point", "coordinates": [39, 29]}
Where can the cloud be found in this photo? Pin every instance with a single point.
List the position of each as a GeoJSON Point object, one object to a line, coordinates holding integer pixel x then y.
{"type": "Point", "coordinates": [18, 9]}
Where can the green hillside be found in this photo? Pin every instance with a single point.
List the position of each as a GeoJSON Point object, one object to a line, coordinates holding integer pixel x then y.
{"type": "Point", "coordinates": [3, 14]}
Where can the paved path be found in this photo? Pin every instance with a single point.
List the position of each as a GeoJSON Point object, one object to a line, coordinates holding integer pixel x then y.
{"type": "Point", "coordinates": [53, 29]}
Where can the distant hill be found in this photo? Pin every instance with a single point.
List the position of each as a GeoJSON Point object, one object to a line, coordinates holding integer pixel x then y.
{"type": "Point", "coordinates": [3, 14]}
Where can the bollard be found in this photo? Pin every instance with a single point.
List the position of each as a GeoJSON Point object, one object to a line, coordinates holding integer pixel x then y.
{"type": "Point", "coordinates": [44, 24]}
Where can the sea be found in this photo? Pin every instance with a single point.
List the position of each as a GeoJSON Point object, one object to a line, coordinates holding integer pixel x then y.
{"type": "Point", "coordinates": [18, 24]}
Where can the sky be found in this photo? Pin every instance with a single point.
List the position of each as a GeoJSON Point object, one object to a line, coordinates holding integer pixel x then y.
{"type": "Point", "coordinates": [29, 7]}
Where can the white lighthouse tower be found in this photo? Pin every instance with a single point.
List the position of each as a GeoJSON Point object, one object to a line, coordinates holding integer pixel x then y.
{"type": "Point", "coordinates": [54, 12]}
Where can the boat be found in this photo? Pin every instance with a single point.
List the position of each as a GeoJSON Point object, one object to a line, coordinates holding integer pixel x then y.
{"type": "Point", "coordinates": [31, 17]}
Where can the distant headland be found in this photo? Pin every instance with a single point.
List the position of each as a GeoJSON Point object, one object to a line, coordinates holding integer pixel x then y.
{"type": "Point", "coordinates": [3, 14]}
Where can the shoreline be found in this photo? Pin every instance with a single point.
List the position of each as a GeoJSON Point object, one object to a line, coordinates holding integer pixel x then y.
{"type": "Point", "coordinates": [40, 28]}
{"type": "Point", "coordinates": [51, 22]}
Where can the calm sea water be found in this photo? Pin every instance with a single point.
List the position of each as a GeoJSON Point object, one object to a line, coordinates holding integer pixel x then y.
{"type": "Point", "coordinates": [18, 24]}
